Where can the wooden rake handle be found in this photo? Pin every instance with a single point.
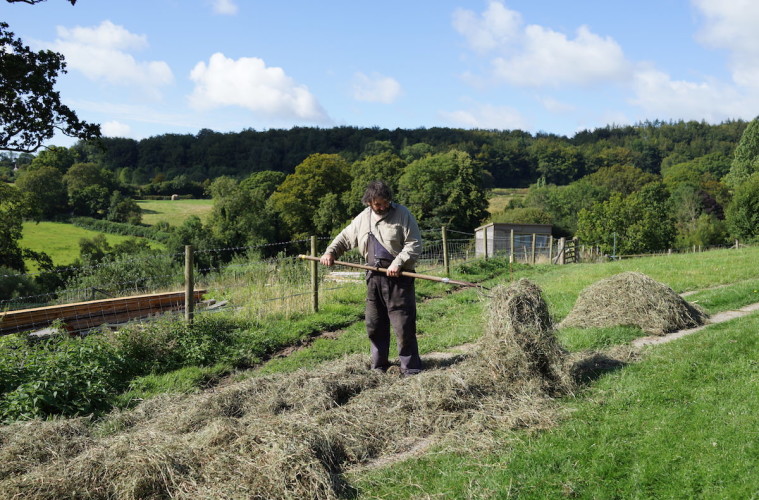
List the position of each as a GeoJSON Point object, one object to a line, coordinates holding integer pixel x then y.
{"type": "Point", "coordinates": [403, 273]}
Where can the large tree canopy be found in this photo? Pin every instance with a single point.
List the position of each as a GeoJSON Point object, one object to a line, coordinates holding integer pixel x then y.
{"type": "Point", "coordinates": [31, 110]}
{"type": "Point", "coordinates": [638, 223]}
{"type": "Point", "coordinates": [746, 159]}
{"type": "Point", "coordinates": [444, 189]}
{"type": "Point", "coordinates": [303, 193]}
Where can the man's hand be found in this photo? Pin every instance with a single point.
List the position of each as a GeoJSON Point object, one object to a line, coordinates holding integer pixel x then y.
{"type": "Point", "coordinates": [394, 270]}
{"type": "Point", "coordinates": [327, 259]}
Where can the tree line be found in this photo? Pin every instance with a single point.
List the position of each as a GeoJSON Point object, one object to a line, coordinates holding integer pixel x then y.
{"type": "Point", "coordinates": [627, 189]}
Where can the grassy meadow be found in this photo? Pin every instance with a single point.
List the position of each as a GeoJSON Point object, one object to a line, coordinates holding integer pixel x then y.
{"type": "Point", "coordinates": [500, 198]}
{"type": "Point", "coordinates": [676, 420]}
{"type": "Point", "coordinates": [61, 241]}
{"type": "Point", "coordinates": [174, 212]}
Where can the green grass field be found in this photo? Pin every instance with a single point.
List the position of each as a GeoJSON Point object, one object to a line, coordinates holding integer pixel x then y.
{"type": "Point", "coordinates": [61, 241]}
{"type": "Point", "coordinates": [676, 420]}
{"type": "Point", "coordinates": [173, 212]}
{"type": "Point", "coordinates": [500, 198]}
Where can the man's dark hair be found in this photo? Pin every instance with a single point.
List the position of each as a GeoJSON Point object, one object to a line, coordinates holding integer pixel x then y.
{"type": "Point", "coordinates": [375, 190]}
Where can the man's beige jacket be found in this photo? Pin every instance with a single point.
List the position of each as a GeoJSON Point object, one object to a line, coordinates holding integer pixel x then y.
{"type": "Point", "coordinates": [397, 231]}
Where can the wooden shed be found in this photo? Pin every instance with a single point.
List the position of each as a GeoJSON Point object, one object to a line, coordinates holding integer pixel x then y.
{"type": "Point", "coordinates": [497, 238]}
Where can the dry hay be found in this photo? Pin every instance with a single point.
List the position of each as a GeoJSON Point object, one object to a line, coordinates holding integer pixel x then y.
{"type": "Point", "coordinates": [634, 299]}
{"type": "Point", "coordinates": [294, 435]}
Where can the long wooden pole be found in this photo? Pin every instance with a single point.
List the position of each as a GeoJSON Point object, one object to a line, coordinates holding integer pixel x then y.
{"type": "Point", "coordinates": [403, 273]}
{"type": "Point", "coordinates": [446, 261]}
{"type": "Point", "coordinates": [314, 279]}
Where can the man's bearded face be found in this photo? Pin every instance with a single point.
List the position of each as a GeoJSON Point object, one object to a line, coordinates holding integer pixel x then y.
{"type": "Point", "coordinates": [380, 206]}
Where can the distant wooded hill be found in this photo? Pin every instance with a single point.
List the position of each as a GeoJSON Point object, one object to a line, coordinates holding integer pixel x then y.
{"type": "Point", "coordinates": [513, 158]}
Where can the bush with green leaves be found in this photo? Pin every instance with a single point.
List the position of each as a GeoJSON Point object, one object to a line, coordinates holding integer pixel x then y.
{"type": "Point", "coordinates": [121, 273]}
{"type": "Point", "coordinates": [742, 215]}
{"type": "Point", "coordinates": [58, 376]}
{"type": "Point", "coordinates": [65, 375]}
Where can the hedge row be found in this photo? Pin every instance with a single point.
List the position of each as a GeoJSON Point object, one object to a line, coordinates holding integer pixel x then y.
{"type": "Point", "coordinates": [121, 228]}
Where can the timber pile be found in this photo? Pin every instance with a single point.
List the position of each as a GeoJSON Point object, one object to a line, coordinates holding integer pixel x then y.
{"type": "Point", "coordinates": [85, 315]}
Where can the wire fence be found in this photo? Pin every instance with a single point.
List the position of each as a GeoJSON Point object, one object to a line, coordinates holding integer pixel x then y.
{"type": "Point", "coordinates": [240, 280]}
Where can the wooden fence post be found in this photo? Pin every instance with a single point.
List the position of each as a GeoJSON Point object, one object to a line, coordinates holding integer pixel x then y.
{"type": "Point", "coordinates": [511, 246]}
{"type": "Point", "coordinates": [314, 278]}
{"type": "Point", "coordinates": [550, 249]}
{"type": "Point", "coordinates": [562, 251]}
{"type": "Point", "coordinates": [534, 236]}
{"type": "Point", "coordinates": [189, 285]}
{"type": "Point", "coordinates": [446, 262]}
{"type": "Point", "coordinates": [485, 240]}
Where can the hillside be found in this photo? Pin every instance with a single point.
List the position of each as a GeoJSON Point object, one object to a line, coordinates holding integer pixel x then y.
{"type": "Point", "coordinates": [655, 421]}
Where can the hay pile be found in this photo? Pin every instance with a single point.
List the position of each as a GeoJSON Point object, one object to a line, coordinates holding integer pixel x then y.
{"type": "Point", "coordinates": [634, 299]}
{"type": "Point", "coordinates": [293, 435]}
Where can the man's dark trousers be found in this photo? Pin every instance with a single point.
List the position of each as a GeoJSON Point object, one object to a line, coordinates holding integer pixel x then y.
{"type": "Point", "coordinates": [392, 301]}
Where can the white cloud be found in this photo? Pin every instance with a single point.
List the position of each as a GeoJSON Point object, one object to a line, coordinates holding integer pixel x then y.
{"type": "Point", "coordinates": [486, 116]}
{"type": "Point", "coordinates": [102, 53]}
{"type": "Point", "coordinates": [660, 96]}
{"type": "Point", "coordinates": [732, 26]}
{"type": "Point", "coordinates": [549, 58]}
{"type": "Point", "coordinates": [247, 82]}
{"type": "Point", "coordinates": [225, 7]}
{"type": "Point", "coordinates": [535, 56]}
{"type": "Point", "coordinates": [375, 88]}
{"type": "Point", "coordinates": [556, 106]}
{"type": "Point", "coordinates": [116, 129]}
{"type": "Point", "coordinates": [497, 27]}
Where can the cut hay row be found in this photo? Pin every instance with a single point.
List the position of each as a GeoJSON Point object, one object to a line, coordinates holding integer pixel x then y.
{"type": "Point", "coordinates": [293, 435]}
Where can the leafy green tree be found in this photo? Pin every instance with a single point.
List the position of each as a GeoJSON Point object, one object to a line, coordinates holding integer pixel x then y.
{"type": "Point", "coordinates": [55, 156]}
{"type": "Point", "coordinates": [385, 166]}
{"type": "Point", "coordinates": [509, 162]}
{"type": "Point", "coordinates": [522, 215]}
{"type": "Point", "coordinates": [263, 183]}
{"type": "Point", "coordinates": [416, 151]}
{"type": "Point", "coordinates": [558, 162]}
{"type": "Point", "coordinates": [93, 250]}
{"type": "Point", "coordinates": [205, 244]}
{"type": "Point", "coordinates": [242, 214]}
{"type": "Point", "coordinates": [638, 223]}
{"type": "Point", "coordinates": [378, 147]}
{"type": "Point", "coordinates": [31, 110]}
{"type": "Point", "coordinates": [444, 189]}
{"type": "Point", "coordinates": [610, 156]}
{"type": "Point", "coordinates": [13, 208]}
{"type": "Point", "coordinates": [563, 203]}
{"type": "Point", "coordinates": [123, 209]}
{"type": "Point", "coordinates": [624, 179]}
{"type": "Point", "coordinates": [329, 217]}
{"type": "Point", "coordinates": [742, 215]}
{"type": "Point", "coordinates": [13, 285]}
{"type": "Point", "coordinates": [45, 190]}
{"type": "Point", "coordinates": [298, 198]}
{"type": "Point", "coordinates": [89, 189]}
{"type": "Point", "coordinates": [746, 157]}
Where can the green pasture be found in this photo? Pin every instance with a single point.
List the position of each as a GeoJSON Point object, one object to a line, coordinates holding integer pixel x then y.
{"type": "Point", "coordinates": [174, 212]}
{"type": "Point", "coordinates": [677, 420]}
{"type": "Point", "coordinates": [61, 241]}
{"type": "Point", "coordinates": [500, 198]}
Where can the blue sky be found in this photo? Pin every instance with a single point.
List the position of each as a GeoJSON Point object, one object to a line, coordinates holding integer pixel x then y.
{"type": "Point", "coordinates": [149, 67]}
